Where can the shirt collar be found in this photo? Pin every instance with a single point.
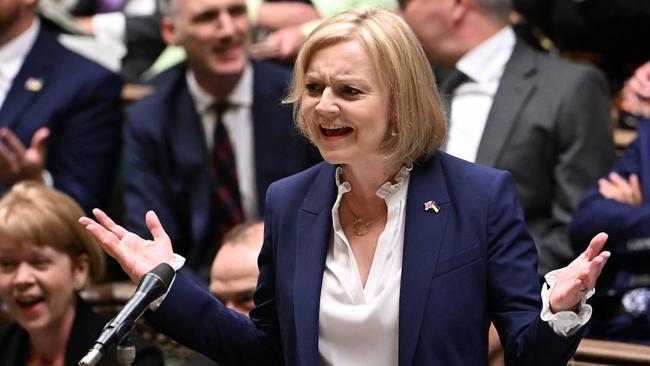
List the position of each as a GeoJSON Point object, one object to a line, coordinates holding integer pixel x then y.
{"type": "Point", "coordinates": [14, 52]}
{"type": "Point", "coordinates": [487, 61]}
{"type": "Point", "coordinates": [386, 189]}
{"type": "Point", "coordinates": [242, 95]}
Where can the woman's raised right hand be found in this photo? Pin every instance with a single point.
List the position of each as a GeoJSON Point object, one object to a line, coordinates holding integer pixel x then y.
{"type": "Point", "coordinates": [136, 255]}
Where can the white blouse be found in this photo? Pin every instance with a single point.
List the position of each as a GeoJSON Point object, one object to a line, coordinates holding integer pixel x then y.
{"type": "Point", "coordinates": [359, 325]}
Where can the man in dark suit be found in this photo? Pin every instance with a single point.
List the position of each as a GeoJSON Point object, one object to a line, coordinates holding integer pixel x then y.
{"type": "Point", "coordinates": [620, 205]}
{"type": "Point", "coordinates": [169, 142]}
{"type": "Point", "coordinates": [60, 113]}
{"type": "Point", "coordinates": [543, 119]}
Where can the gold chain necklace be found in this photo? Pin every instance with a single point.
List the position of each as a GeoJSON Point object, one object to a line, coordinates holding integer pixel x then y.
{"type": "Point", "coordinates": [360, 227]}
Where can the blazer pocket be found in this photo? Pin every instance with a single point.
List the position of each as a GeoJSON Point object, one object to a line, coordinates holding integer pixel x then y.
{"type": "Point", "coordinates": [459, 260]}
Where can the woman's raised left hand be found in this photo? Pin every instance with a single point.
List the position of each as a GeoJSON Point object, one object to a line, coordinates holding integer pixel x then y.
{"type": "Point", "coordinates": [579, 277]}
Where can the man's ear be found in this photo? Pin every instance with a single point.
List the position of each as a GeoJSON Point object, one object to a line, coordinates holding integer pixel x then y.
{"type": "Point", "coordinates": [168, 31]}
{"type": "Point", "coordinates": [80, 272]}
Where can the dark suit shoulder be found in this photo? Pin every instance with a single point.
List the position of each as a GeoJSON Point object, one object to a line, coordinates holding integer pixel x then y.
{"type": "Point", "coordinates": [557, 71]}
{"type": "Point", "coordinates": [457, 169]}
{"type": "Point", "coordinates": [69, 62]}
{"type": "Point", "coordinates": [272, 71]}
{"type": "Point", "coordinates": [164, 86]}
{"type": "Point", "coordinates": [146, 112]}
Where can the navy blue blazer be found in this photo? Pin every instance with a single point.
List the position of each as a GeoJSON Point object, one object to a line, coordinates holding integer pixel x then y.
{"type": "Point", "coordinates": [629, 241]}
{"type": "Point", "coordinates": [471, 263]}
{"type": "Point", "coordinates": [80, 102]}
{"type": "Point", "coordinates": [166, 163]}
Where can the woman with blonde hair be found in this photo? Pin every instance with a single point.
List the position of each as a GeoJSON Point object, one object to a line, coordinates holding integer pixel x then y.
{"type": "Point", "coordinates": [46, 259]}
{"type": "Point", "coordinates": [391, 251]}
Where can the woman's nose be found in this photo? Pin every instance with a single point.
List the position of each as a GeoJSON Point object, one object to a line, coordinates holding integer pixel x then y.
{"type": "Point", "coordinates": [24, 274]}
{"type": "Point", "coordinates": [327, 104]}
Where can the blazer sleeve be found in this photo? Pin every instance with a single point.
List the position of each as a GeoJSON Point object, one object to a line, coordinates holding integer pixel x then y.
{"type": "Point", "coordinates": [208, 326]}
{"type": "Point", "coordinates": [622, 222]}
{"type": "Point", "coordinates": [513, 287]}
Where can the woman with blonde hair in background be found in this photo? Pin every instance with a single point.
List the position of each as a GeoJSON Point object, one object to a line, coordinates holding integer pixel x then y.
{"type": "Point", "coordinates": [46, 259]}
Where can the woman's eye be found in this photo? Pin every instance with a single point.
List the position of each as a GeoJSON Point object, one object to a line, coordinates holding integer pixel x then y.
{"type": "Point", "coordinates": [7, 265]}
{"type": "Point", "coordinates": [312, 88]}
{"type": "Point", "coordinates": [348, 90]}
{"type": "Point", "coordinates": [40, 263]}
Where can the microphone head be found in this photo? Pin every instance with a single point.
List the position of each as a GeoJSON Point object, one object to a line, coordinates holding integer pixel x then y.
{"type": "Point", "coordinates": [165, 273]}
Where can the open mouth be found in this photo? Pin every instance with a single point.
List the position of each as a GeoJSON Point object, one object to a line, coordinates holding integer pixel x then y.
{"type": "Point", "coordinates": [228, 49]}
{"type": "Point", "coordinates": [29, 302]}
{"type": "Point", "coordinates": [335, 131]}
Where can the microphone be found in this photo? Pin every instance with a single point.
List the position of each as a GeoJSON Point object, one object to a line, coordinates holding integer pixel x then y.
{"type": "Point", "coordinates": [153, 284]}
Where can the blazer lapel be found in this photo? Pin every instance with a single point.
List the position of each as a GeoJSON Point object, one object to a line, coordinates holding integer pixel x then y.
{"type": "Point", "coordinates": [514, 90]}
{"type": "Point", "coordinates": [423, 237]}
{"type": "Point", "coordinates": [30, 80]}
{"type": "Point", "coordinates": [186, 138]}
{"type": "Point", "coordinates": [314, 226]}
{"type": "Point", "coordinates": [263, 123]}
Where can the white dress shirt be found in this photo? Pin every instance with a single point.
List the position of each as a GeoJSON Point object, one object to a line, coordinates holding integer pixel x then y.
{"type": "Point", "coordinates": [238, 121]}
{"type": "Point", "coordinates": [473, 99]}
{"type": "Point", "coordinates": [360, 325]}
{"type": "Point", "coordinates": [12, 57]}
{"type": "Point", "coordinates": [110, 28]}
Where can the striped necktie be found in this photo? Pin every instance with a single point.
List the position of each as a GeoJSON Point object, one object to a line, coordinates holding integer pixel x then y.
{"type": "Point", "coordinates": [229, 211]}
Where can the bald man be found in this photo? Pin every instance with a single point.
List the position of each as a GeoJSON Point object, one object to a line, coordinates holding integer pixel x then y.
{"type": "Point", "coordinates": [234, 273]}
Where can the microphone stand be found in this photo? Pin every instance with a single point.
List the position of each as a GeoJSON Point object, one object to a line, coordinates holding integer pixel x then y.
{"type": "Point", "coordinates": [126, 350]}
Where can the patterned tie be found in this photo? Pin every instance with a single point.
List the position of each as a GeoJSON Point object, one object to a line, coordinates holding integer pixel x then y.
{"type": "Point", "coordinates": [229, 210]}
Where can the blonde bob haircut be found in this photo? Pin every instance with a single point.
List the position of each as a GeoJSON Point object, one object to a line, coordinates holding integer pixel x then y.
{"type": "Point", "coordinates": [417, 124]}
{"type": "Point", "coordinates": [33, 213]}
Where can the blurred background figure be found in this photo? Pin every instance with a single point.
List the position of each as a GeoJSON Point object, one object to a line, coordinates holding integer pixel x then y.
{"type": "Point", "coordinates": [203, 148]}
{"type": "Point", "coordinates": [283, 43]}
{"type": "Point", "coordinates": [130, 27]}
{"type": "Point", "coordinates": [46, 259]}
{"type": "Point", "coordinates": [60, 114]}
{"type": "Point", "coordinates": [122, 34]}
{"type": "Point", "coordinates": [606, 33]}
{"type": "Point", "coordinates": [281, 27]}
{"type": "Point", "coordinates": [543, 119]}
{"type": "Point", "coordinates": [234, 271]}
{"type": "Point", "coordinates": [620, 205]}
{"type": "Point", "coordinates": [283, 20]}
